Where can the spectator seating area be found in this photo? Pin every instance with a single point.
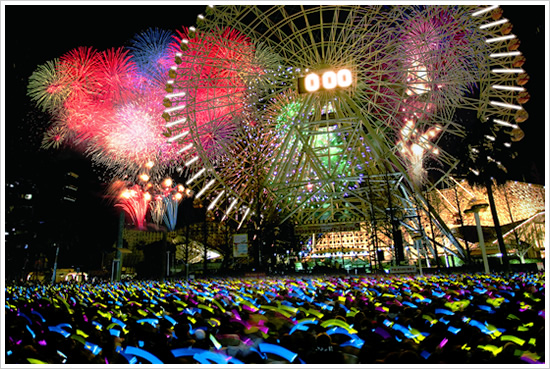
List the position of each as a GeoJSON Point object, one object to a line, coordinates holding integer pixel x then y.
{"type": "Point", "coordinates": [359, 319]}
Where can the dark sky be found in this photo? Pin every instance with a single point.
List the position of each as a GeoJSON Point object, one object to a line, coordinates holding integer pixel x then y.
{"type": "Point", "coordinates": [35, 34]}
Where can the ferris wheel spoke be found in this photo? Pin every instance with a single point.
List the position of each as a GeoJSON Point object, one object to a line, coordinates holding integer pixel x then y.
{"type": "Point", "coordinates": [329, 152]}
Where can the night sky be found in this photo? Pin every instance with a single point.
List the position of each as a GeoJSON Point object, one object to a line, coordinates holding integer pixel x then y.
{"type": "Point", "coordinates": [36, 34]}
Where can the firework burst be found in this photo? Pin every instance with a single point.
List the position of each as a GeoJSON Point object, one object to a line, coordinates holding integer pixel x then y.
{"type": "Point", "coordinates": [55, 136]}
{"type": "Point", "coordinates": [80, 68]}
{"type": "Point", "coordinates": [150, 51]}
{"type": "Point", "coordinates": [108, 104]}
{"type": "Point", "coordinates": [48, 87]}
{"type": "Point", "coordinates": [117, 72]}
{"type": "Point", "coordinates": [218, 101]}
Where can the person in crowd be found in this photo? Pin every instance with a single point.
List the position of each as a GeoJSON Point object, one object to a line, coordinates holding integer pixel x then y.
{"type": "Point", "coordinates": [383, 319]}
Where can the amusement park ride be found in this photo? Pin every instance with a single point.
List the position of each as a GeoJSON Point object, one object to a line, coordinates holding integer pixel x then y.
{"type": "Point", "coordinates": [350, 125]}
{"type": "Point", "coordinates": [338, 118]}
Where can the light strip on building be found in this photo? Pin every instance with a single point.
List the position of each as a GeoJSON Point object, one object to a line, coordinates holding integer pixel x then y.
{"type": "Point", "coordinates": [508, 53]}
{"type": "Point", "coordinates": [175, 94]}
{"type": "Point", "coordinates": [177, 137]}
{"type": "Point", "coordinates": [185, 148]}
{"type": "Point", "coordinates": [505, 105]}
{"type": "Point", "coordinates": [492, 24]}
{"type": "Point", "coordinates": [508, 88]}
{"type": "Point", "coordinates": [244, 217]}
{"type": "Point", "coordinates": [176, 122]}
{"type": "Point", "coordinates": [519, 225]}
{"type": "Point", "coordinates": [448, 202]}
{"type": "Point", "coordinates": [206, 187]}
{"type": "Point", "coordinates": [175, 108]}
{"type": "Point", "coordinates": [506, 70]}
{"type": "Point", "coordinates": [213, 203]}
{"type": "Point", "coordinates": [230, 208]}
{"type": "Point", "coordinates": [501, 38]}
{"type": "Point", "coordinates": [504, 123]}
{"type": "Point", "coordinates": [484, 10]}
{"type": "Point", "coordinates": [197, 175]}
{"type": "Point", "coordinates": [191, 161]}
{"type": "Point", "coordinates": [461, 186]}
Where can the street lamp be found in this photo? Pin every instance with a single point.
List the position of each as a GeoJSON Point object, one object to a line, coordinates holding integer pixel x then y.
{"type": "Point", "coordinates": [55, 262]}
{"type": "Point", "coordinates": [475, 206]}
{"type": "Point", "coordinates": [417, 240]}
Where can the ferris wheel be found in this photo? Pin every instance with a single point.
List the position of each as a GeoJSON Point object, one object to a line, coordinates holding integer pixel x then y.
{"type": "Point", "coordinates": [302, 109]}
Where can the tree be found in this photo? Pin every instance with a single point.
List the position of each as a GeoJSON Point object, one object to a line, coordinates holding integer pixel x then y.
{"type": "Point", "coordinates": [486, 153]}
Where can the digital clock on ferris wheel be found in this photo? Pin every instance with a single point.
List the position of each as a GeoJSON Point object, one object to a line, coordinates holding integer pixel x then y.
{"type": "Point", "coordinates": [324, 80]}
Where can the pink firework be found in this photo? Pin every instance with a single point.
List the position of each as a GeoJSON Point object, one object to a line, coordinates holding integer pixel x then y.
{"type": "Point", "coordinates": [214, 119]}
{"type": "Point", "coordinates": [135, 202]}
{"type": "Point", "coordinates": [133, 133]}
{"type": "Point", "coordinates": [436, 45]}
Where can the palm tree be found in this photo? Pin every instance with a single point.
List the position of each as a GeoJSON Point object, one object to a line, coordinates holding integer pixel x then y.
{"type": "Point", "coordinates": [486, 152]}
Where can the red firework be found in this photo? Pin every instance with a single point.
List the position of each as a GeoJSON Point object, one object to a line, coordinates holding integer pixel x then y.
{"type": "Point", "coordinates": [80, 67]}
{"type": "Point", "coordinates": [223, 55]}
{"type": "Point", "coordinates": [118, 75]}
{"type": "Point", "coordinates": [215, 88]}
{"type": "Point", "coordinates": [85, 118]}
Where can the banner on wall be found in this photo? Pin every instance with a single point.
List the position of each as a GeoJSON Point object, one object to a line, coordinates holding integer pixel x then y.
{"type": "Point", "coordinates": [240, 245]}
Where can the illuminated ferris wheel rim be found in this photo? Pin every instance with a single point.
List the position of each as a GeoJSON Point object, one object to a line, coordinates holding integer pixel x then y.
{"type": "Point", "coordinates": [498, 102]}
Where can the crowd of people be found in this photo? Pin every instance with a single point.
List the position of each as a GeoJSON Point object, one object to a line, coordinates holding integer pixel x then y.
{"type": "Point", "coordinates": [351, 319]}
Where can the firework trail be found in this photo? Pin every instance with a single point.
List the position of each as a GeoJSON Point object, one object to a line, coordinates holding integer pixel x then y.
{"type": "Point", "coordinates": [135, 202]}
{"type": "Point", "coordinates": [157, 209]}
{"type": "Point", "coordinates": [171, 195]}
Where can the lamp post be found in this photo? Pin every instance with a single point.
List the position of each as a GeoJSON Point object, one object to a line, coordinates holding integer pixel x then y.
{"type": "Point", "coordinates": [55, 262]}
{"type": "Point", "coordinates": [417, 240]}
{"type": "Point", "coordinates": [117, 261]}
{"type": "Point", "coordinates": [475, 207]}
{"type": "Point", "coordinates": [167, 264]}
